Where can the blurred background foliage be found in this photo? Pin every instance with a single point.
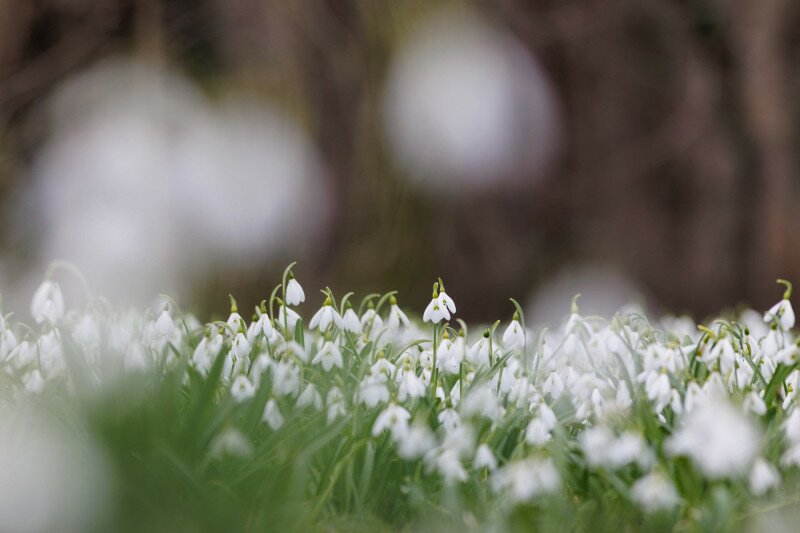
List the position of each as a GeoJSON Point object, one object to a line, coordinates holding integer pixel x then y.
{"type": "Point", "coordinates": [672, 161]}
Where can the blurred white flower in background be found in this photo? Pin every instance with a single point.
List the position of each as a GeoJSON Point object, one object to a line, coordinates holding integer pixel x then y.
{"type": "Point", "coordinates": [144, 183]}
{"type": "Point", "coordinates": [52, 481]}
{"type": "Point", "coordinates": [465, 104]}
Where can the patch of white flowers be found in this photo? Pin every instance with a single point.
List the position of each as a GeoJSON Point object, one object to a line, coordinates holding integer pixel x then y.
{"type": "Point", "coordinates": [644, 406]}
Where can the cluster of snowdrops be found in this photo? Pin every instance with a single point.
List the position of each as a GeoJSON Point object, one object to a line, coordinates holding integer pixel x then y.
{"type": "Point", "coordinates": [654, 409]}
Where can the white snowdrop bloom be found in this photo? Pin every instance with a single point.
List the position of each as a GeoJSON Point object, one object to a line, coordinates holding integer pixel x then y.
{"type": "Point", "coordinates": [310, 397]}
{"type": "Point", "coordinates": [294, 292]}
{"type": "Point", "coordinates": [482, 401]}
{"type": "Point", "coordinates": [242, 389]}
{"type": "Point", "coordinates": [232, 442]}
{"type": "Point", "coordinates": [504, 381]}
{"type": "Point", "coordinates": [291, 317]}
{"type": "Point", "coordinates": [720, 440]}
{"type": "Point", "coordinates": [136, 361]}
{"type": "Point", "coordinates": [409, 385]}
{"type": "Point", "coordinates": [87, 331]}
{"type": "Point", "coordinates": [655, 492]}
{"type": "Point", "coordinates": [47, 304]}
{"type": "Point", "coordinates": [449, 419]}
{"type": "Point", "coordinates": [537, 433]}
{"type": "Point", "coordinates": [235, 321]}
{"type": "Point", "coordinates": [165, 327]}
{"type": "Point", "coordinates": [328, 356]}
{"type": "Point", "coordinates": [33, 382]}
{"type": "Point", "coordinates": [8, 342]}
{"type": "Point", "coordinates": [382, 367]}
{"type": "Point", "coordinates": [658, 389]}
{"type": "Point", "coordinates": [394, 418]}
{"type": "Point", "coordinates": [763, 477]}
{"type": "Point", "coordinates": [436, 310]}
{"type": "Point", "coordinates": [336, 405]}
{"type": "Point", "coordinates": [554, 386]}
{"type": "Point", "coordinates": [261, 326]}
{"type": "Point", "coordinates": [240, 347]}
{"type": "Point", "coordinates": [51, 356]}
{"type": "Point", "coordinates": [272, 415]}
{"type": "Point", "coordinates": [373, 391]}
{"type": "Point", "coordinates": [293, 350]}
{"type": "Point", "coordinates": [781, 312]}
{"type": "Point", "coordinates": [788, 355]}
{"type": "Point", "coordinates": [371, 320]}
{"type": "Point", "coordinates": [286, 378]}
{"type": "Point", "coordinates": [22, 355]}
{"type": "Point", "coordinates": [602, 448]}
{"type": "Point", "coordinates": [351, 322]}
{"type": "Point", "coordinates": [415, 442]}
{"type": "Point", "coordinates": [792, 426]}
{"type": "Point", "coordinates": [262, 364]}
{"type": "Point", "coordinates": [206, 352]}
{"type": "Point", "coordinates": [514, 335]}
{"type": "Point", "coordinates": [449, 466]}
{"type": "Point", "coordinates": [446, 302]}
{"type": "Point", "coordinates": [753, 403]}
{"type": "Point", "coordinates": [325, 316]}
{"type": "Point", "coordinates": [484, 458]}
{"type": "Point", "coordinates": [791, 457]}
{"type": "Point", "coordinates": [397, 317]}
{"type": "Point", "coordinates": [479, 354]}
{"type": "Point", "coordinates": [527, 479]}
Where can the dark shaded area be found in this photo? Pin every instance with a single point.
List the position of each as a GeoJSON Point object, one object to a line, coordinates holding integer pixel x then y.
{"type": "Point", "coordinates": [679, 163]}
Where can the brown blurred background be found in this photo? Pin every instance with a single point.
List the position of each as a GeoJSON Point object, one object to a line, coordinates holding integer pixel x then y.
{"type": "Point", "coordinates": [675, 165]}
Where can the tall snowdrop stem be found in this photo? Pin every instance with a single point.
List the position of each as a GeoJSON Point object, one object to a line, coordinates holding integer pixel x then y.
{"type": "Point", "coordinates": [71, 268]}
{"type": "Point", "coordinates": [433, 370]}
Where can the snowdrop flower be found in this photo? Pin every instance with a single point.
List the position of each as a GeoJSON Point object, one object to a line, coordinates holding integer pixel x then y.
{"type": "Point", "coordinates": [479, 355]}
{"type": "Point", "coordinates": [514, 336]}
{"type": "Point", "coordinates": [538, 432]}
{"type": "Point", "coordinates": [328, 356]}
{"type": "Point", "coordinates": [792, 426]}
{"type": "Point", "coordinates": [409, 385]}
{"type": "Point", "coordinates": [33, 381]}
{"type": "Point", "coordinates": [310, 397]}
{"type": "Point", "coordinates": [655, 492]}
{"type": "Point", "coordinates": [165, 327]}
{"type": "Point", "coordinates": [393, 418]}
{"type": "Point", "coordinates": [240, 347]}
{"type": "Point", "coordinates": [272, 415]}
{"type": "Point", "coordinates": [445, 301]}
{"type": "Point", "coordinates": [436, 310]}
{"type": "Point", "coordinates": [232, 442]}
{"type": "Point", "coordinates": [287, 378]}
{"type": "Point", "coordinates": [291, 317]}
{"type": "Point", "coordinates": [350, 321]}
{"type": "Point", "coordinates": [782, 312]}
{"type": "Point", "coordinates": [336, 406]}
{"type": "Point", "coordinates": [415, 442]}
{"type": "Point", "coordinates": [720, 440]}
{"type": "Point", "coordinates": [449, 419]}
{"type": "Point", "coordinates": [449, 466]}
{"type": "Point", "coordinates": [294, 292]}
{"type": "Point", "coordinates": [763, 477]}
{"type": "Point", "coordinates": [261, 326]}
{"type": "Point", "coordinates": [484, 458]}
{"type": "Point", "coordinates": [242, 389]}
{"type": "Point", "coordinates": [48, 303]}
{"type": "Point", "coordinates": [326, 316]}
{"type": "Point", "coordinates": [397, 317]}
{"type": "Point", "coordinates": [373, 391]}
{"type": "Point", "coordinates": [135, 360]}
{"type": "Point", "coordinates": [524, 480]}
{"type": "Point", "coordinates": [207, 350]}
{"type": "Point", "coordinates": [371, 320]}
